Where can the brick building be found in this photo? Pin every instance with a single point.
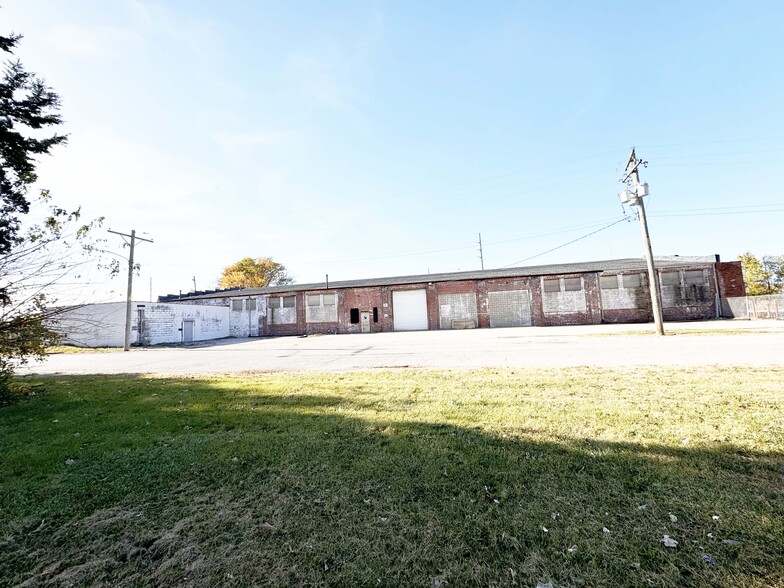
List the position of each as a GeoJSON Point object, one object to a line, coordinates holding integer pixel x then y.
{"type": "Point", "coordinates": [613, 291]}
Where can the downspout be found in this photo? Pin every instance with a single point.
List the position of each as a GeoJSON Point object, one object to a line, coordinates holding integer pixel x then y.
{"type": "Point", "coordinates": [718, 296]}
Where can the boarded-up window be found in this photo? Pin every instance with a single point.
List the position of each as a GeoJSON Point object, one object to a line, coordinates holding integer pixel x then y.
{"type": "Point", "coordinates": [609, 282]}
{"type": "Point", "coordinates": [670, 279]}
{"type": "Point", "coordinates": [692, 277]}
{"type": "Point", "coordinates": [236, 305]}
{"type": "Point", "coordinates": [457, 309]}
{"type": "Point", "coordinates": [632, 281]}
{"type": "Point", "coordinates": [572, 284]}
{"type": "Point", "coordinates": [552, 285]}
{"type": "Point", "coordinates": [281, 310]}
{"type": "Point", "coordinates": [321, 308]}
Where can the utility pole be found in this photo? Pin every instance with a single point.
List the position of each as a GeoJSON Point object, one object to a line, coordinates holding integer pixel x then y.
{"type": "Point", "coordinates": [481, 255]}
{"type": "Point", "coordinates": [194, 283]}
{"type": "Point", "coordinates": [133, 238]}
{"type": "Point", "coordinates": [633, 195]}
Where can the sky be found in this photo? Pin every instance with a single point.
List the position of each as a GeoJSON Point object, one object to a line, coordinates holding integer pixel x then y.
{"type": "Point", "coordinates": [367, 139]}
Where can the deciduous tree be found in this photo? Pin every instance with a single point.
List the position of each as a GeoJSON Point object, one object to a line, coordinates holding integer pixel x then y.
{"type": "Point", "coordinates": [256, 272]}
{"type": "Point", "coordinates": [762, 277]}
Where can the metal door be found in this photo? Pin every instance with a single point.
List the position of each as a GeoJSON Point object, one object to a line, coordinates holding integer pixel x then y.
{"type": "Point", "coordinates": [365, 322]}
{"type": "Point", "coordinates": [187, 330]}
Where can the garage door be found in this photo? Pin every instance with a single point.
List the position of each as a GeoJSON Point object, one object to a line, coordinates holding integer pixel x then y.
{"type": "Point", "coordinates": [509, 309]}
{"type": "Point", "coordinates": [409, 310]}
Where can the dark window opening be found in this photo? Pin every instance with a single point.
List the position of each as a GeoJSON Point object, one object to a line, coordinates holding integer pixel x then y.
{"type": "Point", "coordinates": [375, 314]}
{"type": "Point", "coordinates": [354, 316]}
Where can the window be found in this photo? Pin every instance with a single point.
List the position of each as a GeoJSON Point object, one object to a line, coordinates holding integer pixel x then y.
{"type": "Point", "coordinates": [282, 302]}
{"type": "Point", "coordinates": [692, 277]}
{"type": "Point", "coordinates": [236, 305]}
{"type": "Point", "coordinates": [632, 281]}
{"type": "Point", "coordinates": [375, 314]}
{"type": "Point", "coordinates": [552, 285]}
{"type": "Point", "coordinates": [251, 304]}
{"type": "Point", "coordinates": [670, 279]}
{"type": "Point", "coordinates": [609, 282]}
{"type": "Point", "coordinates": [573, 284]}
{"type": "Point", "coordinates": [321, 308]}
{"type": "Point", "coordinates": [281, 310]}
{"type": "Point", "coordinates": [354, 316]}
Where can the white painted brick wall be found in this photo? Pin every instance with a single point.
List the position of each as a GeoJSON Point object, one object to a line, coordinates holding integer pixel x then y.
{"type": "Point", "coordinates": [563, 302]}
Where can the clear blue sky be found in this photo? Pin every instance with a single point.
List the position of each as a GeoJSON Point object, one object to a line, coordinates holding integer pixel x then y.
{"type": "Point", "coordinates": [365, 139]}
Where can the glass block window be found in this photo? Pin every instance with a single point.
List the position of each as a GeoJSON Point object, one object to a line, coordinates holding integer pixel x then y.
{"type": "Point", "coordinates": [670, 279]}
{"type": "Point", "coordinates": [692, 277]}
{"type": "Point", "coordinates": [632, 281]}
{"type": "Point", "coordinates": [609, 282]}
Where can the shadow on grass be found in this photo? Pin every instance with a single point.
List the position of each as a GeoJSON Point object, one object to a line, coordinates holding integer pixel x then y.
{"type": "Point", "coordinates": [194, 482]}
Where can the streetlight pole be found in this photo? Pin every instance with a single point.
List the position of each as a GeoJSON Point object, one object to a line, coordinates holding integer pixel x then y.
{"type": "Point", "coordinates": [634, 197]}
{"type": "Point", "coordinates": [133, 238]}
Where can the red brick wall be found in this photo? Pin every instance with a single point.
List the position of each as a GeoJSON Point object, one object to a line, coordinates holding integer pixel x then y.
{"type": "Point", "coordinates": [730, 275]}
{"type": "Point", "coordinates": [364, 299]}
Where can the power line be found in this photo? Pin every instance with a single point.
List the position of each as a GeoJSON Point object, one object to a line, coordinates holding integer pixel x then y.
{"type": "Point", "coordinates": [660, 215]}
{"type": "Point", "coordinates": [568, 242]}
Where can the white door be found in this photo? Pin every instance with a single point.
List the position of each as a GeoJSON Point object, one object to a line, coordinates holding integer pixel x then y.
{"type": "Point", "coordinates": [187, 330]}
{"type": "Point", "coordinates": [365, 322]}
{"type": "Point", "coordinates": [409, 310]}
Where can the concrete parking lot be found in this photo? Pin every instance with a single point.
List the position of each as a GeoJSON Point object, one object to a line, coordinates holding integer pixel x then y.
{"type": "Point", "coordinates": [755, 343]}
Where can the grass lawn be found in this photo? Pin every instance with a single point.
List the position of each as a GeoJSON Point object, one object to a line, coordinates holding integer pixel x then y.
{"type": "Point", "coordinates": [400, 478]}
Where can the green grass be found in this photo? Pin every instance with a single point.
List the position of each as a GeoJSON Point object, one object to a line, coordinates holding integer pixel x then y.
{"type": "Point", "coordinates": [398, 478]}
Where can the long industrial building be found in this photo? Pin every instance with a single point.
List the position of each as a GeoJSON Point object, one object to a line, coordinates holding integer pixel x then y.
{"type": "Point", "coordinates": [612, 291]}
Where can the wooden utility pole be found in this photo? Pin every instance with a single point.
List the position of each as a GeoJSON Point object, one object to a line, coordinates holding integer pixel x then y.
{"type": "Point", "coordinates": [634, 197]}
{"type": "Point", "coordinates": [132, 243]}
{"type": "Point", "coordinates": [481, 253]}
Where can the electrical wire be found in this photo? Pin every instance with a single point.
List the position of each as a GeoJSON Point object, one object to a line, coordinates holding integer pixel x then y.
{"type": "Point", "coordinates": [625, 219]}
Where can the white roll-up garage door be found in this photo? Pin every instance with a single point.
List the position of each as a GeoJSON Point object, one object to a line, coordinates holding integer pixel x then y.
{"type": "Point", "coordinates": [409, 310]}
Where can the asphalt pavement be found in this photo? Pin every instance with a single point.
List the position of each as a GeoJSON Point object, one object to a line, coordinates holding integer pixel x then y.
{"type": "Point", "coordinates": [761, 343]}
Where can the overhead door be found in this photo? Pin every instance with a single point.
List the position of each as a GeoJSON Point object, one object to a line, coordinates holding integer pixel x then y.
{"type": "Point", "coordinates": [457, 309]}
{"type": "Point", "coordinates": [409, 310]}
{"type": "Point", "coordinates": [511, 308]}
